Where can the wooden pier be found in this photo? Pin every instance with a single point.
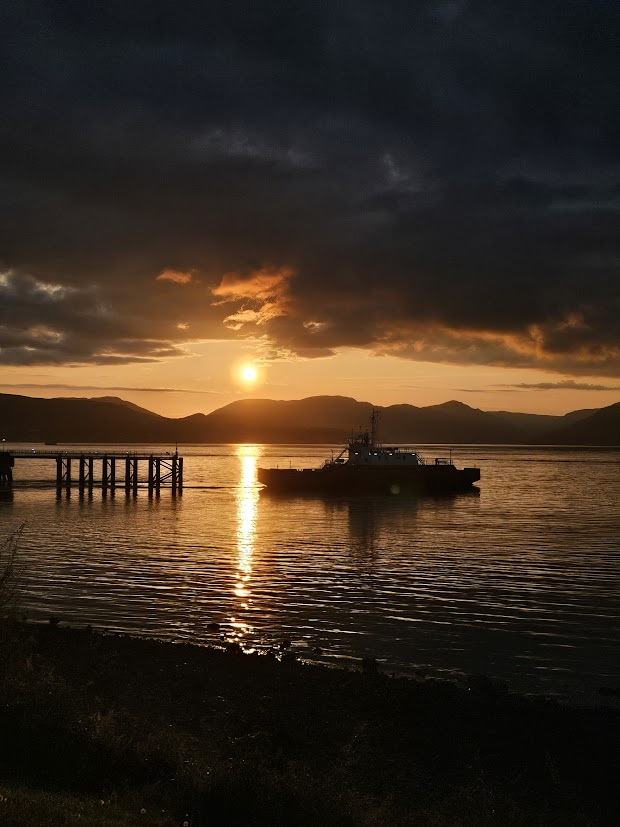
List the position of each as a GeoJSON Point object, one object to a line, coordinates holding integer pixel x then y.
{"type": "Point", "coordinates": [87, 470]}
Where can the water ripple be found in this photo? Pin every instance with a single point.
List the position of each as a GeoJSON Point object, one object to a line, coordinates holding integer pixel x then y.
{"type": "Point", "coordinates": [519, 582]}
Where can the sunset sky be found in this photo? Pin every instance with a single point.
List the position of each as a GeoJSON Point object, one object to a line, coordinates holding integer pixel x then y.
{"type": "Point", "coordinates": [397, 201]}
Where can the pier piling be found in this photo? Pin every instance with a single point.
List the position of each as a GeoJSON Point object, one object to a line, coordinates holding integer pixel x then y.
{"type": "Point", "coordinates": [151, 473]}
{"type": "Point", "coordinates": [6, 468]}
{"type": "Point", "coordinates": [164, 470]}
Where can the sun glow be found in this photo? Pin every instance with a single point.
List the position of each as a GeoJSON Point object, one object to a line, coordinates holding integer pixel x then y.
{"type": "Point", "coordinates": [248, 374]}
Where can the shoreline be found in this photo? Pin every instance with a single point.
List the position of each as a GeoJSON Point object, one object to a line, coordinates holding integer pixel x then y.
{"type": "Point", "coordinates": [604, 697]}
{"type": "Point", "coordinates": [251, 739]}
{"type": "Point", "coordinates": [601, 697]}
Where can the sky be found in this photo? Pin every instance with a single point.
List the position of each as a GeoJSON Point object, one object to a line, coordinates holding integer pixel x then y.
{"type": "Point", "coordinates": [396, 201]}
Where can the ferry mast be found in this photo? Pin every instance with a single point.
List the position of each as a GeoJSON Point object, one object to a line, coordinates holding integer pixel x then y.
{"type": "Point", "coordinates": [374, 423]}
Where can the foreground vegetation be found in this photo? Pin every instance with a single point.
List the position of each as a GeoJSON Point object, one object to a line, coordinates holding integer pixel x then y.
{"type": "Point", "coordinates": [109, 730]}
{"type": "Point", "coordinates": [9, 573]}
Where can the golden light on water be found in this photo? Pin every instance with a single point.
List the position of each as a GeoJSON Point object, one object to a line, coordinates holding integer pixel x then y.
{"type": "Point", "coordinates": [247, 502]}
{"type": "Point", "coordinates": [247, 506]}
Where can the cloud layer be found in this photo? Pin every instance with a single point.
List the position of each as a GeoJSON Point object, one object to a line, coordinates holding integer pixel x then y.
{"type": "Point", "coordinates": [433, 180]}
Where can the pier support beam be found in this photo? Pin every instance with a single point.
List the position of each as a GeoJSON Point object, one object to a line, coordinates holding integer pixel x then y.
{"type": "Point", "coordinates": [6, 468]}
{"type": "Point", "coordinates": [163, 471]}
{"type": "Point", "coordinates": [63, 474]}
{"type": "Point", "coordinates": [108, 475]}
{"type": "Point", "coordinates": [82, 475]}
{"type": "Point", "coordinates": [174, 481]}
{"type": "Point", "coordinates": [86, 474]}
{"type": "Point", "coordinates": [131, 476]}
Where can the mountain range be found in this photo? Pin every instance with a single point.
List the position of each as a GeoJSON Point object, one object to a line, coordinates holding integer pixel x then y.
{"type": "Point", "coordinates": [317, 419]}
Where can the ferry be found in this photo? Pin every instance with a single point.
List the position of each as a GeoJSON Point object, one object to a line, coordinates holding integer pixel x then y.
{"type": "Point", "coordinates": [364, 466]}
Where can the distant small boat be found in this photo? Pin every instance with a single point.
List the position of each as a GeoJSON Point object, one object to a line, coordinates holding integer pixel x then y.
{"type": "Point", "coordinates": [371, 468]}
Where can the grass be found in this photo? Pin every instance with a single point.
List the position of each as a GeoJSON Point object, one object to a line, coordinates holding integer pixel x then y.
{"type": "Point", "coordinates": [198, 736]}
{"type": "Point", "coordinates": [21, 805]}
{"type": "Point", "coordinates": [9, 572]}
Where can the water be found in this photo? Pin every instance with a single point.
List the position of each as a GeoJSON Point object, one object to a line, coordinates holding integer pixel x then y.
{"type": "Point", "coordinates": [518, 582]}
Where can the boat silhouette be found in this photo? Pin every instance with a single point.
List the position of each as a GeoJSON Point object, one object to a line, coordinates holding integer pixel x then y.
{"type": "Point", "coordinates": [364, 466]}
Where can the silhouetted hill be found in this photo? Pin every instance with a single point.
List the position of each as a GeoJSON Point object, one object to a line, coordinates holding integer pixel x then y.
{"type": "Point", "coordinates": [529, 425]}
{"type": "Point", "coordinates": [330, 417]}
{"type": "Point", "coordinates": [116, 400]}
{"type": "Point", "coordinates": [449, 422]}
{"type": "Point", "coordinates": [577, 416]}
{"type": "Point", "coordinates": [599, 428]}
{"type": "Point", "coordinates": [333, 418]}
{"type": "Point", "coordinates": [79, 420]}
{"type": "Point", "coordinates": [336, 417]}
{"type": "Point", "coordinates": [317, 419]}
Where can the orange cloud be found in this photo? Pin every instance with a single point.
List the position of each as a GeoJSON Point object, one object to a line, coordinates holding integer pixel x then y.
{"type": "Point", "coordinates": [266, 291]}
{"type": "Point", "coordinates": [175, 276]}
{"type": "Point", "coordinates": [265, 284]}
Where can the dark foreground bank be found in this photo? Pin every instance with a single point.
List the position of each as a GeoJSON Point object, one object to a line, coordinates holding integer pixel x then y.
{"type": "Point", "coordinates": [107, 730]}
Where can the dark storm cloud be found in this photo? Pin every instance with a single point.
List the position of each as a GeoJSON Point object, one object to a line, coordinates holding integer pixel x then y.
{"type": "Point", "coordinates": [565, 385]}
{"type": "Point", "coordinates": [47, 323]}
{"type": "Point", "coordinates": [434, 180]}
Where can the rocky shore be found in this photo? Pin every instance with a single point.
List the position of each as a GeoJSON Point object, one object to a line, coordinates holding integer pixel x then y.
{"type": "Point", "coordinates": [110, 730]}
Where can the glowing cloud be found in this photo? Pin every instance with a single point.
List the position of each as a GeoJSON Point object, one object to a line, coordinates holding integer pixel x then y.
{"type": "Point", "coordinates": [266, 289]}
{"type": "Point", "coordinates": [265, 284]}
{"type": "Point", "coordinates": [175, 276]}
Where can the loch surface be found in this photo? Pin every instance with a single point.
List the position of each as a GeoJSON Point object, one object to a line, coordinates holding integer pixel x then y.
{"type": "Point", "coordinates": [517, 580]}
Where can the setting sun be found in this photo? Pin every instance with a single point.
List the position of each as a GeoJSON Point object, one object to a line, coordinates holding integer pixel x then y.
{"type": "Point", "coordinates": [249, 374]}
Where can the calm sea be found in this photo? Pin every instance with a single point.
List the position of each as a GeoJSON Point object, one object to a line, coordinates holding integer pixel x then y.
{"type": "Point", "coordinates": [519, 580]}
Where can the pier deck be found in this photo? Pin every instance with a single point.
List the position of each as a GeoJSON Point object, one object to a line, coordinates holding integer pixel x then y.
{"type": "Point", "coordinates": [164, 470]}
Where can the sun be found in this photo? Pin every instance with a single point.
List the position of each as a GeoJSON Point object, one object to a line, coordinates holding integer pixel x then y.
{"type": "Point", "coordinates": [248, 374]}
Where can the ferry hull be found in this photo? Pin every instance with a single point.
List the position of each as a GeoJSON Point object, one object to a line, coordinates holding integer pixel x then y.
{"type": "Point", "coordinates": [345, 480]}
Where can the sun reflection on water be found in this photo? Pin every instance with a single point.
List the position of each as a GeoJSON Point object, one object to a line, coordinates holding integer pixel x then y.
{"type": "Point", "coordinates": [247, 505]}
